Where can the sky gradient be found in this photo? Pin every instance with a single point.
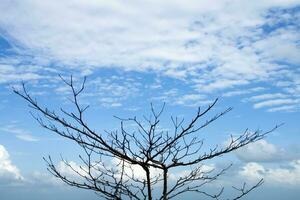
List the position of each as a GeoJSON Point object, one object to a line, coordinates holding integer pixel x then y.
{"type": "Point", "coordinates": [183, 53]}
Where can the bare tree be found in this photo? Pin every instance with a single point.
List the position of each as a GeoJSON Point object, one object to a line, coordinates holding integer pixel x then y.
{"type": "Point", "coordinates": [143, 156]}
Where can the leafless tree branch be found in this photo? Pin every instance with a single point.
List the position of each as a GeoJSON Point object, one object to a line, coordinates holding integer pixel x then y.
{"type": "Point", "coordinates": [138, 153]}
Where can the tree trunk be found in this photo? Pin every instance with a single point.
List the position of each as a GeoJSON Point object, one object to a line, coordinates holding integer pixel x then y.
{"type": "Point", "coordinates": [165, 184]}
{"type": "Point", "coordinates": [148, 183]}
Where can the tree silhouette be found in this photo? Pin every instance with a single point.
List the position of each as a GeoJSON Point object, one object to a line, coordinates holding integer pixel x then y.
{"type": "Point", "coordinates": [129, 164]}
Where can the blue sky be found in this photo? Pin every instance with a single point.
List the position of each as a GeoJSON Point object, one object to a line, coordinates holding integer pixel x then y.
{"type": "Point", "coordinates": [184, 53]}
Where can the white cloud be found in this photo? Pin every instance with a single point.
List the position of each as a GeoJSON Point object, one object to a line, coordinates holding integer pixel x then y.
{"type": "Point", "coordinates": [191, 100]}
{"type": "Point", "coordinates": [276, 102]}
{"type": "Point", "coordinates": [131, 170]}
{"type": "Point", "coordinates": [9, 73]}
{"type": "Point", "coordinates": [213, 46]}
{"type": "Point", "coordinates": [241, 92]}
{"type": "Point", "coordinates": [136, 170]}
{"type": "Point", "coordinates": [68, 172]}
{"type": "Point", "coordinates": [175, 175]}
{"type": "Point", "coordinates": [261, 151]}
{"type": "Point", "coordinates": [8, 172]}
{"type": "Point", "coordinates": [280, 47]}
{"type": "Point", "coordinates": [176, 97]}
{"type": "Point", "coordinates": [112, 91]}
{"type": "Point", "coordinates": [289, 108]}
{"type": "Point", "coordinates": [41, 179]}
{"type": "Point", "coordinates": [288, 175]}
{"type": "Point", "coordinates": [252, 171]}
{"type": "Point", "coordinates": [112, 33]}
{"type": "Point", "coordinates": [267, 96]}
{"type": "Point", "coordinates": [221, 84]}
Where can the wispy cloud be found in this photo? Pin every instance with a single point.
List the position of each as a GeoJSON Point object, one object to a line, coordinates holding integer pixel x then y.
{"type": "Point", "coordinates": [289, 108]}
{"type": "Point", "coordinates": [211, 46]}
{"type": "Point", "coordinates": [242, 92]}
{"type": "Point", "coordinates": [268, 96]}
{"type": "Point", "coordinates": [191, 100]}
{"type": "Point", "coordinates": [19, 133]}
{"type": "Point", "coordinates": [27, 137]}
{"type": "Point", "coordinates": [9, 73]}
{"type": "Point", "coordinates": [276, 102]}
